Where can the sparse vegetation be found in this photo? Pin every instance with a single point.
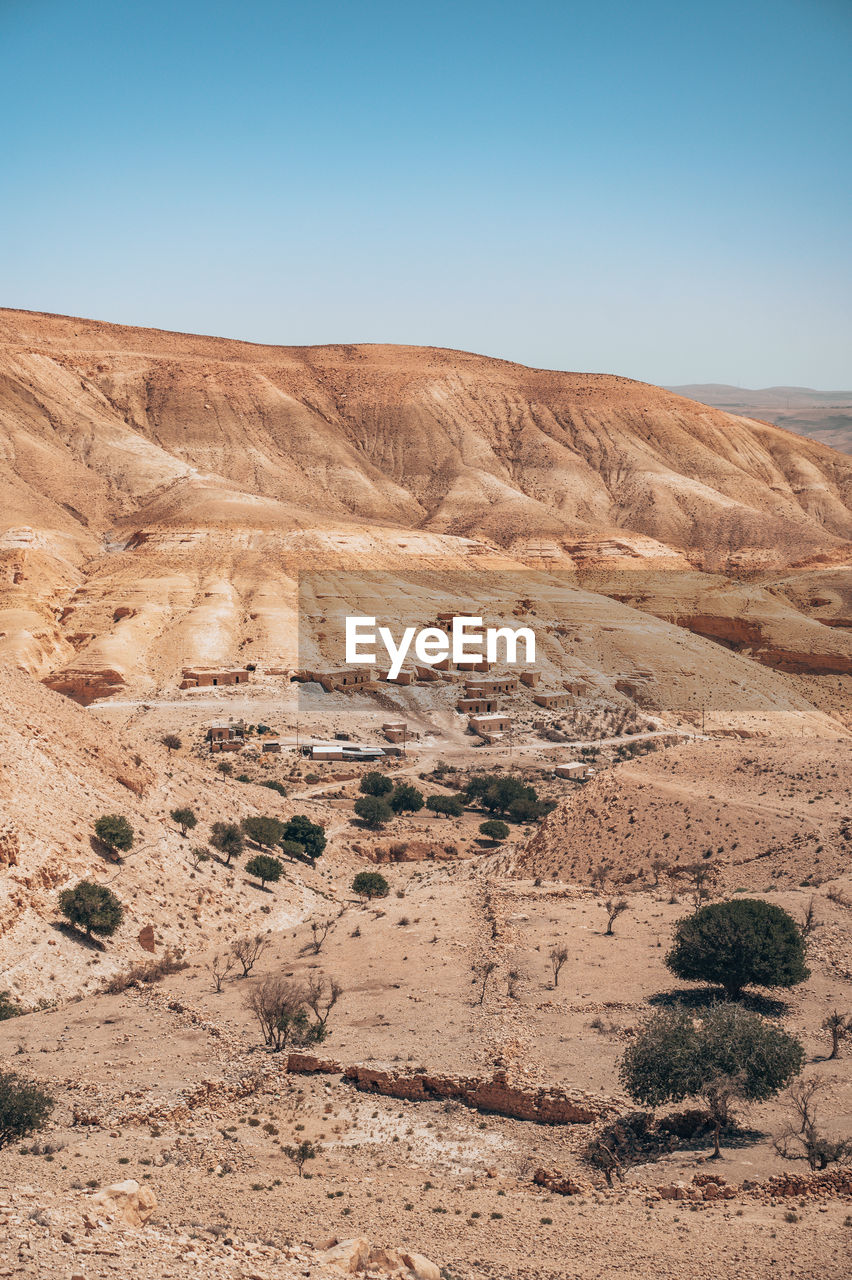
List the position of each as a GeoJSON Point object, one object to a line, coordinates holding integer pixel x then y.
{"type": "Point", "coordinates": [737, 944]}
{"type": "Point", "coordinates": [558, 957]}
{"type": "Point", "coordinates": [370, 884]}
{"type": "Point", "coordinates": [172, 741]}
{"type": "Point", "coordinates": [24, 1107]}
{"type": "Point", "coordinates": [405, 798]}
{"type": "Point", "coordinates": [185, 819]}
{"type": "Point", "coordinates": [614, 908]}
{"type": "Point", "coordinates": [839, 1027]}
{"type": "Point", "coordinates": [113, 830]}
{"type": "Point", "coordinates": [373, 811]}
{"type": "Point", "coordinates": [309, 835]}
{"type": "Point", "coordinates": [375, 784]}
{"type": "Point", "coordinates": [726, 1055]}
{"type": "Point", "coordinates": [301, 1154]}
{"type": "Point", "coordinates": [494, 830]}
{"type": "Point", "coordinates": [281, 1008]}
{"type": "Point", "coordinates": [262, 830]}
{"type": "Point", "coordinates": [247, 951]}
{"type": "Point", "coordinates": [227, 838]}
{"type": "Point", "coordinates": [92, 907]}
{"type": "Point", "coordinates": [265, 868]}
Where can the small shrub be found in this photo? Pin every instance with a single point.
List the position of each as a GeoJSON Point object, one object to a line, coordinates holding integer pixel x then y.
{"type": "Point", "coordinates": [370, 884]}
{"type": "Point", "coordinates": [24, 1108]}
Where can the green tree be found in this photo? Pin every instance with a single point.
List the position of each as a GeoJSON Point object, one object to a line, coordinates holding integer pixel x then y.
{"type": "Point", "coordinates": [450, 806]}
{"type": "Point", "coordinates": [92, 907]}
{"type": "Point", "coordinates": [265, 868]}
{"type": "Point", "coordinates": [405, 798]}
{"type": "Point", "coordinates": [370, 884]}
{"type": "Point", "coordinates": [727, 1054]}
{"type": "Point", "coordinates": [494, 829]}
{"type": "Point", "coordinates": [24, 1107]}
{"type": "Point", "coordinates": [375, 784]}
{"type": "Point", "coordinates": [310, 835]}
{"type": "Point", "coordinates": [113, 830]}
{"type": "Point", "coordinates": [263, 831]}
{"type": "Point", "coordinates": [185, 819]}
{"type": "Point", "coordinates": [373, 810]}
{"type": "Point", "coordinates": [228, 839]}
{"type": "Point", "coordinates": [498, 794]}
{"type": "Point", "coordinates": [741, 943]}
{"type": "Point", "coordinates": [225, 768]}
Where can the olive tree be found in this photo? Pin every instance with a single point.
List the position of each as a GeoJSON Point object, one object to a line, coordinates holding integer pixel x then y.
{"type": "Point", "coordinates": [741, 943]}
{"type": "Point", "coordinates": [92, 907]}
{"type": "Point", "coordinates": [726, 1055]}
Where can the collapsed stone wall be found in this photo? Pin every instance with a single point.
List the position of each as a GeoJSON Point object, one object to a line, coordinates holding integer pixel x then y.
{"type": "Point", "coordinates": [496, 1096]}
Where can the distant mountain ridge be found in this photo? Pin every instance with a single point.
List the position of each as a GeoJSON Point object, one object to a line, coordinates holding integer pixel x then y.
{"type": "Point", "coordinates": [822, 415]}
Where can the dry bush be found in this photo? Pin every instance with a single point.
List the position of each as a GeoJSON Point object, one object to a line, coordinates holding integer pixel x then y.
{"type": "Point", "coordinates": [153, 970]}
{"type": "Point", "coordinates": [247, 951]}
{"type": "Point", "coordinates": [281, 1007]}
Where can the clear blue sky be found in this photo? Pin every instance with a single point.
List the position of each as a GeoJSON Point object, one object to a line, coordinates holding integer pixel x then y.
{"type": "Point", "coordinates": [658, 188]}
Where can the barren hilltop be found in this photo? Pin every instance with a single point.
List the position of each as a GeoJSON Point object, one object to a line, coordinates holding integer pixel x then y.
{"type": "Point", "coordinates": [262, 1064]}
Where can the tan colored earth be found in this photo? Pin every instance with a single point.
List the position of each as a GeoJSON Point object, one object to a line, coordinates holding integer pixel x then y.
{"type": "Point", "coordinates": [688, 571]}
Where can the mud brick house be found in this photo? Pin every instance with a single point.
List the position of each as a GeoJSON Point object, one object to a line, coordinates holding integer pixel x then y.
{"type": "Point", "coordinates": [491, 686]}
{"type": "Point", "coordinates": [530, 678]}
{"type": "Point", "coordinates": [574, 769]}
{"type": "Point", "coordinates": [395, 730]}
{"type": "Point", "coordinates": [552, 699]}
{"type": "Point", "coordinates": [490, 726]}
{"type": "Point", "coordinates": [212, 677]}
{"type": "Point", "coordinates": [227, 735]}
{"type": "Point", "coordinates": [476, 706]}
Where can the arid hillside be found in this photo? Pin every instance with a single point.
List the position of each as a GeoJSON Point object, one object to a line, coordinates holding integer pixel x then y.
{"type": "Point", "coordinates": [162, 491]}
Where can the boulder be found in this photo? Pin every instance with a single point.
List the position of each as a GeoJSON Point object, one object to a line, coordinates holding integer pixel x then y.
{"type": "Point", "coordinates": [421, 1268]}
{"type": "Point", "coordinates": [350, 1255]}
{"type": "Point", "coordinates": [127, 1202]}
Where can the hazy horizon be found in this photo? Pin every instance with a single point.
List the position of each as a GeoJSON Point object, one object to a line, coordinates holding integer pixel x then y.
{"type": "Point", "coordinates": [659, 194]}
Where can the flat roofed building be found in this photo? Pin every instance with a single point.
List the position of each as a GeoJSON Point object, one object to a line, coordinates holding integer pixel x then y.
{"type": "Point", "coordinates": [552, 699]}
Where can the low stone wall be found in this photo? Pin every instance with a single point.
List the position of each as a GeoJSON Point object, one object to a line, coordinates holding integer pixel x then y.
{"type": "Point", "coordinates": [496, 1096]}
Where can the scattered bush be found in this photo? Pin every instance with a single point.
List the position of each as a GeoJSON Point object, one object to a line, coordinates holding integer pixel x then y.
{"type": "Point", "coordinates": [8, 1007]}
{"type": "Point", "coordinates": [310, 835]}
{"type": "Point", "coordinates": [405, 798]}
{"type": "Point", "coordinates": [301, 1154]}
{"type": "Point", "coordinates": [449, 806]}
{"type": "Point", "coordinates": [275, 786]}
{"type": "Point", "coordinates": [263, 831]}
{"type": "Point", "coordinates": [247, 951]}
{"type": "Point", "coordinates": [283, 1013]}
{"type": "Point", "coordinates": [24, 1108]}
{"type": "Point", "coordinates": [494, 829]}
{"type": "Point", "coordinates": [744, 942]}
{"type": "Point", "coordinates": [370, 884]}
{"type": "Point", "coordinates": [114, 831]}
{"type": "Point", "coordinates": [92, 907]}
{"type": "Point", "coordinates": [185, 819]}
{"type": "Point", "coordinates": [228, 839]}
{"type": "Point", "coordinates": [375, 784]}
{"type": "Point", "coordinates": [172, 741]}
{"type": "Point", "coordinates": [265, 868]}
{"type": "Point", "coordinates": [373, 811]}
